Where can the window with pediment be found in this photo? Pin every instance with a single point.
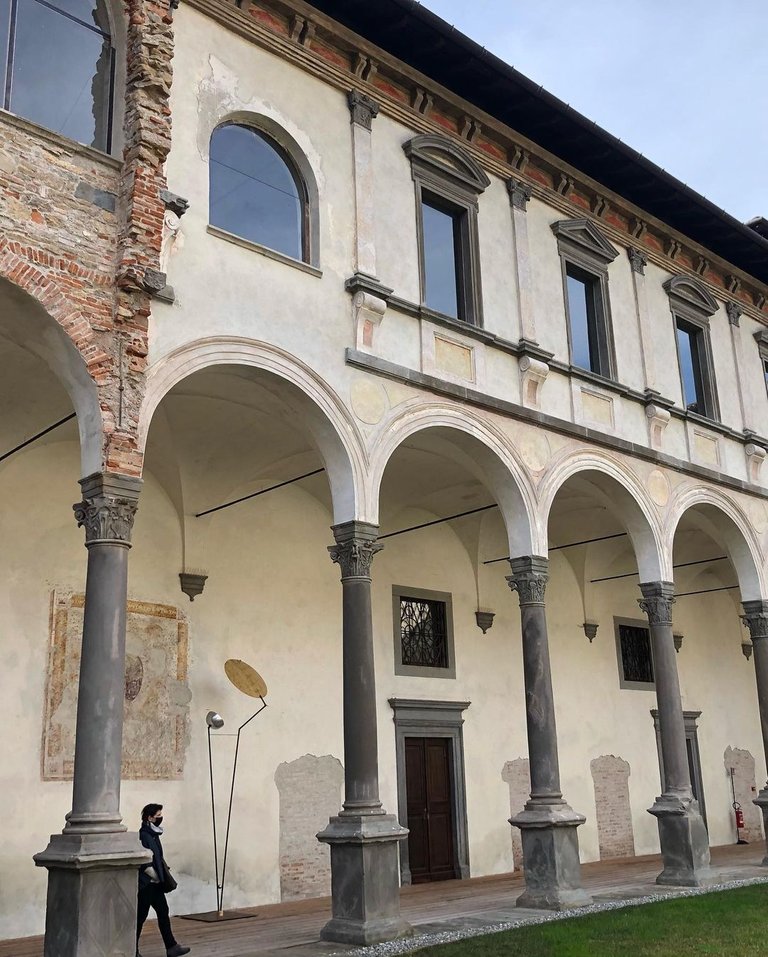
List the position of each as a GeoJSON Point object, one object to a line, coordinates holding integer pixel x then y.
{"type": "Point", "coordinates": [585, 255]}
{"type": "Point", "coordinates": [448, 184]}
{"type": "Point", "coordinates": [692, 306]}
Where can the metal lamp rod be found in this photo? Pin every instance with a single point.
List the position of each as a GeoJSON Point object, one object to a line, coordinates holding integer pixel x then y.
{"type": "Point", "coordinates": [220, 900]}
{"type": "Point", "coordinates": [213, 815]}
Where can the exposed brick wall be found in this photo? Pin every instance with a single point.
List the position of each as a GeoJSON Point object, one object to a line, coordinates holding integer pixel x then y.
{"type": "Point", "coordinates": [743, 765]}
{"type": "Point", "coordinates": [517, 775]}
{"type": "Point", "coordinates": [614, 817]}
{"type": "Point", "coordinates": [82, 234]}
{"type": "Point", "coordinates": [310, 793]}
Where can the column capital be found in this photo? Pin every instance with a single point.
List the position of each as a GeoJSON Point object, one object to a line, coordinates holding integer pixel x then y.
{"type": "Point", "coordinates": [755, 618]}
{"type": "Point", "coordinates": [637, 260]}
{"type": "Point", "coordinates": [363, 108]}
{"type": "Point", "coordinates": [519, 193]}
{"type": "Point", "coordinates": [529, 578]}
{"type": "Point", "coordinates": [108, 508]}
{"type": "Point", "coordinates": [355, 547]}
{"type": "Point", "coordinates": [657, 601]}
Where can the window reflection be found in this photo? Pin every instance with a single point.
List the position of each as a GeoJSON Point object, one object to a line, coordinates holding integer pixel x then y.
{"type": "Point", "coordinates": [690, 367]}
{"type": "Point", "coordinates": [254, 192]}
{"type": "Point", "coordinates": [441, 240]}
{"type": "Point", "coordinates": [583, 319]}
{"type": "Point", "coordinates": [58, 66]}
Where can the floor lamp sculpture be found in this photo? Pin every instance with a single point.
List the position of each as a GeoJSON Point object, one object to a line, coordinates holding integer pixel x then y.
{"type": "Point", "coordinates": [250, 682]}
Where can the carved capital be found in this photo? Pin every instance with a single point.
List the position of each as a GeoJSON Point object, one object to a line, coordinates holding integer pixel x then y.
{"type": "Point", "coordinates": [734, 311]}
{"type": "Point", "coordinates": [519, 193]}
{"type": "Point", "coordinates": [755, 618]}
{"type": "Point", "coordinates": [354, 549]}
{"type": "Point", "coordinates": [657, 601]}
{"type": "Point", "coordinates": [529, 578]}
{"type": "Point", "coordinates": [108, 508]}
{"type": "Point", "coordinates": [637, 260]}
{"type": "Point", "coordinates": [175, 203]}
{"type": "Point", "coordinates": [362, 108]}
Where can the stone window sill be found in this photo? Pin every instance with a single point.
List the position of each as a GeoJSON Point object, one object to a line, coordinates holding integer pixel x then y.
{"type": "Point", "coordinates": [264, 251]}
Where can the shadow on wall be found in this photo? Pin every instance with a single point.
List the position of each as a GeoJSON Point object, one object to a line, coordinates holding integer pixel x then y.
{"type": "Point", "coordinates": [745, 789]}
{"type": "Point", "coordinates": [310, 793]}
{"type": "Point", "coordinates": [517, 775]}
{"type": "Point", "coordinates": [610, 776]}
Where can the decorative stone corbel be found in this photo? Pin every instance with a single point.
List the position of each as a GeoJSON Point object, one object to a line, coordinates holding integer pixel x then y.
{"type": "Point", "coordinates": [175, 207]}
{"type": "Point", "coordinates": [658, 419]}
{"type": "Point", "coordinates": [755, 455]}
{"type": "Point", "coordinates": [746, 649]}
{"type": "Point", "coordinates": [590, 630]}
{"type": "Point", "coordinates": [192, 583]}
{"type": "Point", "coordinates": [369, 303]}
{"type": "Point", "coordinates": [484, 620]}
{"type": "Point", "coordinates": [678, 642]}
{"type": "Point", "coordinates": [533, 375]}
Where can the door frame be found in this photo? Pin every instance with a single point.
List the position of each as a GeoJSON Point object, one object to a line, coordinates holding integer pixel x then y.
{"type": "Point", "coordinates": [415, 718]}
{"type": "Point", "coordinates": [691, 719]}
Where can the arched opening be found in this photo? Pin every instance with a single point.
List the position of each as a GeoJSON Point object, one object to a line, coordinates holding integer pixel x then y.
{"type": "Point", "coordinates": [58, 65]}
{"type": "Point", "coordinates": [258, 189]}
{"type": "Point", "coordinates": [451, 501]}
{"type": "Point", "coordinates": [243, 478]}
{"type": "Point", "coordinates": [603, 541]}
{"type": "Point", "coordinates": [715, 569]}
{"type": "Point", "coordinates": [46, 399]}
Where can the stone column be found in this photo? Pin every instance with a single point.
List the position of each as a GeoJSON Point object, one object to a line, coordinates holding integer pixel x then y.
{"type": "Point", "coordinates": [364, 839]}
{"type": "Point", "coordinates": [756, 619]}
{"type": "Point", "coordinates": [682, 834]}
{"type": "Point", "coordinates": [92, 865]}
{"type": "Point", "coordinates": [547, 823]}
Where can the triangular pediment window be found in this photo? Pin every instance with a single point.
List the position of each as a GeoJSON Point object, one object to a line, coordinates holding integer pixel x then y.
{"type": "Point", "coordinates": [583, 235]}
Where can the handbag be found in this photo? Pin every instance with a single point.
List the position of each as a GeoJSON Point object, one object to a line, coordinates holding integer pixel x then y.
{"type": "Point", "coordinates": [169, 884]}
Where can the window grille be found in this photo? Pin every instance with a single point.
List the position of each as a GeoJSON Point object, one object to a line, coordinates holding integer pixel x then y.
{"type": "Point", "coordinates": [423, 632]}
{"type": "Point", "coordinates": [636, 660]}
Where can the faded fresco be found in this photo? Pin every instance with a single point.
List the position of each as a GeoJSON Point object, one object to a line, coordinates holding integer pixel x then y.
{"type": "Point", "coordinates": [156, 691]}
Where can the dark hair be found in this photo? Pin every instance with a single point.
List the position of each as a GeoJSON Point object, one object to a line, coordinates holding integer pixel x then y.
{"type": "Point", "coordinates": [149, 810]}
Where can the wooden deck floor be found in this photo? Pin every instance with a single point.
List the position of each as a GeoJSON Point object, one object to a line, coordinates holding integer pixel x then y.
{"type": "Point", "coordinates": [297, 925]}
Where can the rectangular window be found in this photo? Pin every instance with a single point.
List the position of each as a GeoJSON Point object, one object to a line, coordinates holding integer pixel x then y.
{"type": "Point", "coordinates": [585, 319]}
{"type": "Point", "coordinates": [633, 647]}
{"type": "Point", "coordinates": [443, 256]}
{"type": "Point", "coordinates": [765, 373]}
{"type": "Point", "coordinates": [693, 372]}
{"type": "Point", "coordinates": [423, 633]}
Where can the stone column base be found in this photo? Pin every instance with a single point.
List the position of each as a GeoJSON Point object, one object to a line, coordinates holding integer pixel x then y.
{"type": "Point", "coordinates": [684, 842]}
{"type": "Point", "coordinates": [365, 880]}
{"type": "Point", "coordinates": [92, 889]}
{"type": "Point", "coordinates": [550, 857]}
{"type": "Point", "coordinates": [762, 802]}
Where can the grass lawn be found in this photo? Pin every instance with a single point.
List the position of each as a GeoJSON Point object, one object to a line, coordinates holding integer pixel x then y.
{"type": "Point", "coordinates": [728, 922]}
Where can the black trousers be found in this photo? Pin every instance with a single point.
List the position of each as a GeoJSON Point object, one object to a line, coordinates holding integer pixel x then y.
{"type": "Point", "coordinates": [153, 896]}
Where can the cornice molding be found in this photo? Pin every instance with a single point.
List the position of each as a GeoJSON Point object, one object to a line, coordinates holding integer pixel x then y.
{"type": "Point", "coordinates": [498, 149]}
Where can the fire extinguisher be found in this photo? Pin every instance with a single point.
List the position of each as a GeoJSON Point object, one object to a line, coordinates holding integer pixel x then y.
{"type": "Point", "coordinates": [738, 812]}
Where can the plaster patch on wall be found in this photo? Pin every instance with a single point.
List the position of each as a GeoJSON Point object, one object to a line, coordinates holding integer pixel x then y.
{"type": "Point", "coordinates": [310, 793]}
{"type": "Point", "coordinates": [517, 774]}
{"type": "Point", "coordinates": [454, 359]}
{"type": "Point", "coordinates": [706, 448]}
{"type": "Point", "coordinates": [658, 487]}
{"type": "Point", "coordinates": [597, 408]}
{"type": "Point", "coordinates": [745, 788]}
{"type": "Point", "coordinates": [610, 776]}
{"type": "Point", "coordinates": [155, 732]}
{"type": "Point", "coordinates": [535, 450]}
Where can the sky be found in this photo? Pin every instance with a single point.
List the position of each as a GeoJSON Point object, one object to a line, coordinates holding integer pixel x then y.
{"type": "Point", "coordinates": [684, 82]}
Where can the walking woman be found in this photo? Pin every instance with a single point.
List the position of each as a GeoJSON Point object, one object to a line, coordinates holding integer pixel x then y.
{"type": "Point", "coordinates": [155, 881]}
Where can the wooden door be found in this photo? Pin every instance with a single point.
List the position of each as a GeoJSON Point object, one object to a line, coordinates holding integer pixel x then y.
{"type": "Point", "coordinates": [429, 791]}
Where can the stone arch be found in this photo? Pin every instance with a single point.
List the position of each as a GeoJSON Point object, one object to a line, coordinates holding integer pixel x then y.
{"type": "Point", "coordinates": [486, 452]}
{"type": "Point", "coordinates": [331, 426]}
{"type": "Point", "coordinates": [297, 157]}
{"type": "Point", "coordinates": [624, 494]}
{"type": "Point", "coordinates": [716, 514]}
{"type": "Point", "coordinates": [58, 333]}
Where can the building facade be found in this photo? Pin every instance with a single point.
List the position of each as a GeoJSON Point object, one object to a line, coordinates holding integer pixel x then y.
{"type": "Point", "coordinates": [349, 332]}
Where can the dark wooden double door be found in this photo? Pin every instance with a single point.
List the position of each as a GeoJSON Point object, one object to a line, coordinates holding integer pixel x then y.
{"type": "Point", "coordinates": [429, 791]}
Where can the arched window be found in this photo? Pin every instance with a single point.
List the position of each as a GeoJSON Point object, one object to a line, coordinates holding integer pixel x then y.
{"type": "Point", "coordinates": [256, 191]}
{"type": "Point", "coordinates": [57, 64]}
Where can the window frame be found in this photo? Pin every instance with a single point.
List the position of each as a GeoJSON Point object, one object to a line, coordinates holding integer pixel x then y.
{"type": "Point", "coordinates": [441, 169]}
{"type": "Point", "coordinates": [423, 671]}
{"type": "Point", "coordinates": [691, 304]}
{"type": "Point", "coordinates": [624, 683]}
{"type": "Point", "coordinates": [761, 338]}
{"type": "Point", "coordinates": [583, 247]}
{"type": "Point", "coordinates": [303, 176]}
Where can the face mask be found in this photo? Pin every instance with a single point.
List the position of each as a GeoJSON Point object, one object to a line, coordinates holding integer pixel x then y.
{"type": "Point", "coordinates": [158, 821]}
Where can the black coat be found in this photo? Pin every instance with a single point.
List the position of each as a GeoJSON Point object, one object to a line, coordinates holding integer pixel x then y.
{"type": "Point", "coordinates": [151, 841]}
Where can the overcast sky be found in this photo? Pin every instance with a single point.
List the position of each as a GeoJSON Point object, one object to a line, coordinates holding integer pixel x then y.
{"type": "Point", "coordinates": [683, 81]}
